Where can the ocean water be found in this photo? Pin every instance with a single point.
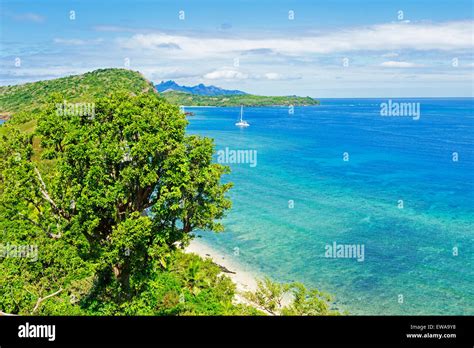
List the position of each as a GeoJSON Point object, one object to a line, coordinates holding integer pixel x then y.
{"type": "Point", "coordinates": [418, 253]}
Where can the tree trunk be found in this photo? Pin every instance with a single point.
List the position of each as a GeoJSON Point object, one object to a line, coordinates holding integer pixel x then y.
{"type": "Point", "coordinates": [122, 274]}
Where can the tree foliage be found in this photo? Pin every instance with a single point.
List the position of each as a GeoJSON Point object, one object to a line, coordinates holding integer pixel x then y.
{"type": "Point", "coordinates": [182, 98]}
{"type": "Point", "coordinates": [110, 200]}
{"type": "Point", "coordinates": [290, 299]}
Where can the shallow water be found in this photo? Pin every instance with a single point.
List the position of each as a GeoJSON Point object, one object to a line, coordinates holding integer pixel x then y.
{"type": "Point", "coordinates": [422, 251]}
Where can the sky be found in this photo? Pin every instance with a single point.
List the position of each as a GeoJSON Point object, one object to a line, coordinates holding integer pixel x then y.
{"type": "Point", "coordinates": [325, 49]}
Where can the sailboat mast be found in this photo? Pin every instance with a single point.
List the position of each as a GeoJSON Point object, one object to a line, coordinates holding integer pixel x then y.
{"type": "Point", "coordinates": [241, 112]}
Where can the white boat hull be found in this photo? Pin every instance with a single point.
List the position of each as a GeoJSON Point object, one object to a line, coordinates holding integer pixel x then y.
{"type": "Point", "coordinates": [238, 124]}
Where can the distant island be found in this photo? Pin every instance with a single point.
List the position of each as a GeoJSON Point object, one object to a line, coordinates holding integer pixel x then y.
{"type": "Point", "coordinates": [202, 95]}
{"type": "Point", "coordinates": [200, 89]}
{"type": "Point", "coordinates": [180, 98]}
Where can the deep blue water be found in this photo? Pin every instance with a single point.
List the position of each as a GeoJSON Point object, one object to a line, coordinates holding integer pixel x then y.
{"type": "Point", "coordinates": [409, 251]}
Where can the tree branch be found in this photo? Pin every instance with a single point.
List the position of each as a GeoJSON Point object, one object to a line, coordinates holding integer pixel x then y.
{"type": "Point", "coordinates": [33, 222]}
{"type": "Point", "coordinates": [46, 196]}
{"type": "Point", "coordinates": [52, 235]}
{"type": "Point", "coordinates": [41, 299]}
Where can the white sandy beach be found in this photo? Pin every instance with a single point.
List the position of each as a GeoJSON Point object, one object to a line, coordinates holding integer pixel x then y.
{"type": "Point", "coordinates": [244, 280]}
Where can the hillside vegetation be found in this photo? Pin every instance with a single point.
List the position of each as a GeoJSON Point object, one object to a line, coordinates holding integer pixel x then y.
{"type": "Point", "coordinates": [181, 98]}
{"type": "Point", "coordinates": [17, 99]}
{"type": "Point", "coordinates": [78, 88]}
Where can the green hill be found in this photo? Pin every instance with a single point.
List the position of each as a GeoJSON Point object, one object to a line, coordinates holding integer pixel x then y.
{"type": "Point", "coordinates": [79, 88]}
{"type": "Point", "coordinates": [181, 98]}
{"type": "Point", "coordinates": [100, 83]}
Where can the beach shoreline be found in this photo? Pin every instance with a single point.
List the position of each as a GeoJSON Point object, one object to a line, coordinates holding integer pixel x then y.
{"type": "Point", "coordinates": [244, 279]}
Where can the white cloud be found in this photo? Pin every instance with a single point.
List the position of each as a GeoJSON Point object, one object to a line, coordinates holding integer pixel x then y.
{"type": "Point", "coordinates": [77, 42]}
{"type": "Point", "coordinates": [278, 76]}
{"type": "Point", "coordinates": [231, 74]}
{"type": "Point", "coordinates": [29, 17]}
{"type": "Point", "coordinates": [390, 55]}
{"type": "Point", "coordinates": [30, 74]}
{"type": "Point", "coordinates": [115, 29]}
{"type": "Point", "coordinates": [158, 73]}
{"type": "Point", "coordinates": [397, 36]}
{"type": "Point", "coordinates": [226, 75]}
{"type": "Point", "coordinates": [273, 76]}
{"type": "Point", "coordinates": [396, 64]}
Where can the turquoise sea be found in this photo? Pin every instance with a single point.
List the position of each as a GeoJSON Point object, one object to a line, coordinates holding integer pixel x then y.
{"type": "Point", "coordinates": [418, 254]}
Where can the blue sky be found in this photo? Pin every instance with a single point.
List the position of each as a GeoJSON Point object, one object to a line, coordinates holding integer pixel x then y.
{"type": "Point", "coordinates": [336, 48]}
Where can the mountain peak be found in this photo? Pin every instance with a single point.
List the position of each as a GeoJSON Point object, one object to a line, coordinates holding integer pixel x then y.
{"type": "Point", "coordinates": [200, 89]}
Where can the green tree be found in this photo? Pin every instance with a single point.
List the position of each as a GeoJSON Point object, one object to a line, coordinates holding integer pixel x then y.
{"type": "Point", "coordinates": [118, 190]}
{"type": "Point", "coordinates": [290, 299]}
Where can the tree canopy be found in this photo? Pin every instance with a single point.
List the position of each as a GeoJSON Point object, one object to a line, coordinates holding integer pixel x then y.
{"type": "Point", "coordinates": [112, 194]}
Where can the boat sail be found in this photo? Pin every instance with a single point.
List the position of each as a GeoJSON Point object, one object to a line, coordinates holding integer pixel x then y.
{"type": "Point", "coordinates": [242, 123]}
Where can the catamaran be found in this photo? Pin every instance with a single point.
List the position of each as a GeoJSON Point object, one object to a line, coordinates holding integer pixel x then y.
{"type": "Point", "coordinates": [242, 123]}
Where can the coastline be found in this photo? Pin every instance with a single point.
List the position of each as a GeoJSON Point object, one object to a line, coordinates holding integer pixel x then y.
{"type": "Point", "coordinates": [243, 279]}
{"type": "Point", "coordinates": [5, 116]}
